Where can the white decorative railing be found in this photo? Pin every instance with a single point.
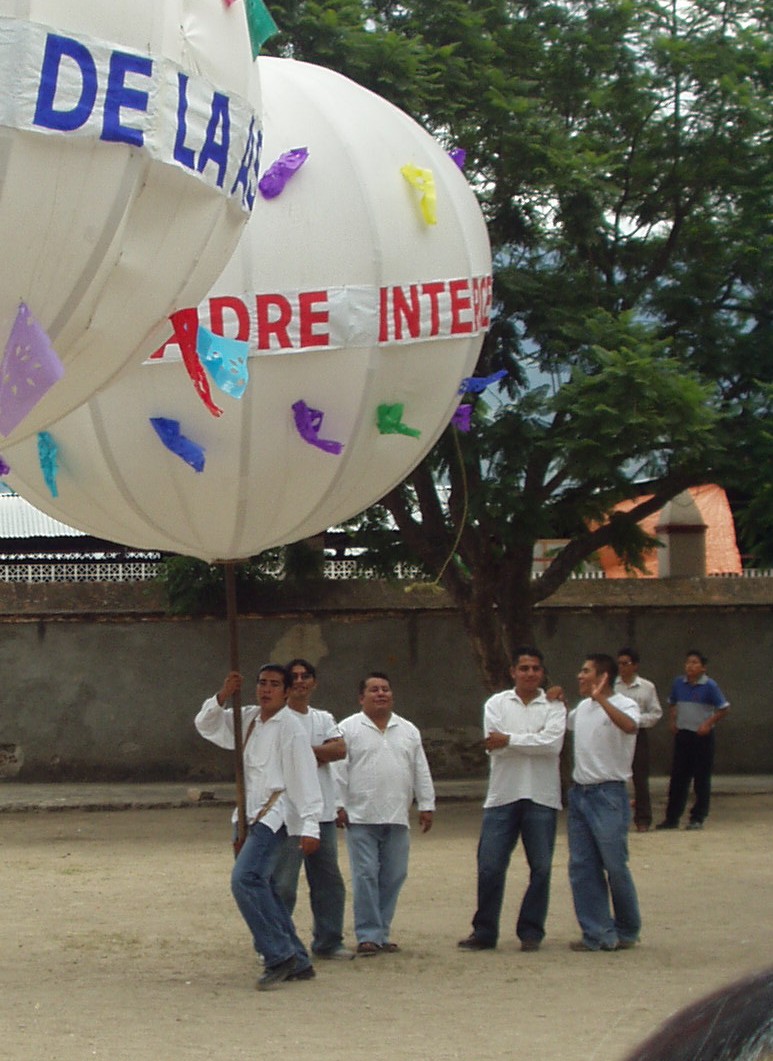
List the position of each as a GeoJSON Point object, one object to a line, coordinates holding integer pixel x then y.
{"type": "Point", "coordinates": [340, 569]}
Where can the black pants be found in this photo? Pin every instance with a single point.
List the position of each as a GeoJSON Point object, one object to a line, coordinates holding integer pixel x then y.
{"type": "Point", "coordinates": [693, 761]}
{"type": "Point", "coordinates": [642, 814]}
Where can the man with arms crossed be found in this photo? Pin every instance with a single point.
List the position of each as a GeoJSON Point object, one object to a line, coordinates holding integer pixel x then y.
{"type": "Point", "coordinates": [604, 725]}
{"type": "Point", "coordinates": [280, 777]}
{"type": "Point", "coordinates": [385, 769]}
{"type": "Point", "coordinates": [326, 887]}
{"type": "Point", "coordinates": [524, 734]}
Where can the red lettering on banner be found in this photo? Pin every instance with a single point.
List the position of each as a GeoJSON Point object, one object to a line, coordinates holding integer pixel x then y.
{"type": "Point", "coordinates": [405, 313]}
{"type": "Point", "coordinates": [383, 322]}
{"type": "Point", "coordinates": [277, 325]}
{"type": "Point", "coordinates": [217, 311]}
{"type": "Point", "coordinates": [311, 317]}
{"type": "Point", "coordinates": [432, 291]}
{"type": "Point", "coordinates": [460, 304]}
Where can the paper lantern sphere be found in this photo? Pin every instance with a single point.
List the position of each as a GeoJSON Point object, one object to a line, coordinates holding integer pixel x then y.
{"type": "Point", "coordinates": [123, 130]}
{"type": "Point", "coordinates": [362, 318]}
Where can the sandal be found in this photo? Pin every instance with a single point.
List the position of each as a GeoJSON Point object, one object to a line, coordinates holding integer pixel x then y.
{"type": "Point", "coordinates": [367, 950]}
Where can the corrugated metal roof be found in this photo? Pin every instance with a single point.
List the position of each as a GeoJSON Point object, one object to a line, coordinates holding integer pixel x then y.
{"type": "Point", "coordinates": [20, 519]}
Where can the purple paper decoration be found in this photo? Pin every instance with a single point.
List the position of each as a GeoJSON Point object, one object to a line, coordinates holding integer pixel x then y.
{"type": "Point", "coordinates": [308, 422]}
{"type": "Point", "coordinates": [5, 468]}
{"type": "Point", "coordinates": [48, 452]}
{"type": "Point", "coordinates": [462, 418]}
{"type": "Point", "coordinates": [29, 368]}
{"type": "Point", "coordinates": [477, 384]}
{"type": "Point", "coordinates": [169, 433]}
{"type": "Point", "coordinates": [459, 155]}
{"type": "Point", "coordinates": [277, 175]}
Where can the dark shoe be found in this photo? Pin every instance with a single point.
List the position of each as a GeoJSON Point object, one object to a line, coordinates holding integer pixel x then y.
{"type": "Point", "coordinates": [302, 974]}
{"type": "Point", "coordinates": [473, 943]}
{"type": "Point", "coordinates": [276, 974]}
{"type": "Point", "coordinates": [337, 954]}
{"type": "Point", "coordinates": [530, 944]}
{"type": "Point", "coordinates": [642, 828]}
{"type": "Point", "coordinates": [389, 948]}
{"type": "Point", "coordinates": [626, 944]}
{"type": "Point", "coordinates": [694, 825]}
{"type": "Point", "coordinates": [667, 825]}
{"type": "Point", "coordinates": [367, 949]}
{"type": "Point", "coordinates": [581, 945]}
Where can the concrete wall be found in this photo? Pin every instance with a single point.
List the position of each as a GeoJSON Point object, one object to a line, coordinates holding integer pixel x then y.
{"type": "Point", "coordinates": [101, 684]}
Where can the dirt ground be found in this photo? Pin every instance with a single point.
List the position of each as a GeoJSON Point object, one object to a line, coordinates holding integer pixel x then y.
{"type": "Point", "coordinates": [120, 941]}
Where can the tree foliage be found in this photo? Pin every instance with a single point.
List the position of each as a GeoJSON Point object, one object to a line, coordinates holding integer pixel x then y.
{"type": "Point", "coordinates": [621, 152]}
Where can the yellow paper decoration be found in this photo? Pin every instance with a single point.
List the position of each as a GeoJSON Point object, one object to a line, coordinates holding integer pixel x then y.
{"type": "Point", "coordinates": [423, 180]}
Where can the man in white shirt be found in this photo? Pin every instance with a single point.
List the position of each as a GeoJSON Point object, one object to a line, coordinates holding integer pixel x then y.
{"type": "Point", "coordinates": [604, 725]}
{"type": "Point", "coordinates": [630, 683]}
{"type": "Point", "coordinates": [280, 777]}
{"type": "Point", "coordinates": [385, 769]}
{"type": "Point", "coordinates": [524, 734]}
{"type": "Point", "coordinates": [327, 893]}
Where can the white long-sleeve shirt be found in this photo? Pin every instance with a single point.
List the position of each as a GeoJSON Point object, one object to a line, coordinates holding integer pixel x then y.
{"type": "Point", "coordinates": [527, 768]}
{"type": "Point", "coordinates": [277, 758]}
{"type": "Point", "coordinates": [644, 693]}
{"type": "Point", "coordinates": [383, 772]}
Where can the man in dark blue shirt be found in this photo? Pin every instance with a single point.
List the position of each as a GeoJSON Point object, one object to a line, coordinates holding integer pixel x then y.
{"type": "Point", "coordinates": [697, 704]}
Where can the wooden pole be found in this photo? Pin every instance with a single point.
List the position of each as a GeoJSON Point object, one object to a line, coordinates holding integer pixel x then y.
{"type": "Point", "coordinates": [236, 703]}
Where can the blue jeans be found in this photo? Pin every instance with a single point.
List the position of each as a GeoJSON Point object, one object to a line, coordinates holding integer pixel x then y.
{"type": "Point", "coordinates": [536, 825]}
{"type": "Point", "coordinates": [599, 816]}
{"type": "Point", "coordinates": [378, 856]}
{"type": "Point", "coordinates": [326, 886]}
{"type": "Point", "coordinates": [272, 928]}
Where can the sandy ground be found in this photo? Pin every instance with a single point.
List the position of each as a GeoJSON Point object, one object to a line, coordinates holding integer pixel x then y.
{"type": "Point", "coordinates": [120, 941]}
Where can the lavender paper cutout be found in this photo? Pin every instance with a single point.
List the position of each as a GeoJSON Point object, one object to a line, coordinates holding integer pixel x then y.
{"type": "Point", "coordinates": [5, 467]}
{"type": "Point", "coordinates": [477, 384]}
{"type": "Point", "coordinates": [225, 360]}
{"type": "Point", "coordinates": [169, 433]}
{"type": "Point", "coordinates": [308, 422]}
{"type": "Point", "coordinates": [459, 155]}
{"type": "Point", "coordinates": [28, 370]}
{"type": "Point", "coordinates": [273, 181]}
{"type": "Point", "coordinates": [390, 421]}
{"type": "Point", "coordinates": [48, 452]}
{"type": "Point", "coordinates": [461, 419]}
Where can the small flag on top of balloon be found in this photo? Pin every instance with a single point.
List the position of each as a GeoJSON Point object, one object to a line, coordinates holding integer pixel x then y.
{"type": "Point", "coordinates": [29, 368]}
{"type": "Point", "coordinates": [261, 25]}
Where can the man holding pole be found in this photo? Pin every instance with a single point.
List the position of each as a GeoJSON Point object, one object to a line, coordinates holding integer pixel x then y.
{"type": "Point", "coordinates": [281, 787]}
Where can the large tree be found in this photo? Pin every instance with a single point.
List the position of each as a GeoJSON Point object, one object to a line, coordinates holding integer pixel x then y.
{"type": "Point", "coordinates": [622, 154]}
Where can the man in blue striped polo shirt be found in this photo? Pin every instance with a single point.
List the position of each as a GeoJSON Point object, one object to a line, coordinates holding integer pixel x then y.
{"type": "Point", "coordinates": [697, 704]}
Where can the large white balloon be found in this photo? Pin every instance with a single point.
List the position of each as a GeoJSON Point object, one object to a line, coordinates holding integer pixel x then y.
{"type": "Point", "coordinates": [123, 127]}
{"type": "Point", "coordinates": [351, 300]}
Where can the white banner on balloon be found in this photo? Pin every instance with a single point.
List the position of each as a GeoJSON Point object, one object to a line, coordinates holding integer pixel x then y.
{"type": "Point", "coordinates": [65, 85]}
{"type": "Point", "coordinates": [338, 318]}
